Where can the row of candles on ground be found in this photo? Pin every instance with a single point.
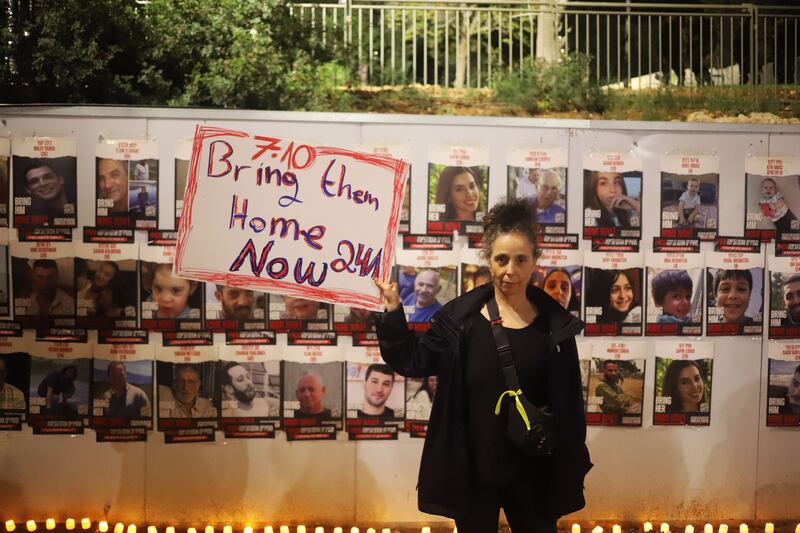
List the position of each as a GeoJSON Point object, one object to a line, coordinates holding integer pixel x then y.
{"type": "Point", "coordinates": [103, 527]}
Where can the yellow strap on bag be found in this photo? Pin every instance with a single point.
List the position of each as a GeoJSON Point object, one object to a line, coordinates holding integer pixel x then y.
{"type": "Point", "coordinates": [515, 394]}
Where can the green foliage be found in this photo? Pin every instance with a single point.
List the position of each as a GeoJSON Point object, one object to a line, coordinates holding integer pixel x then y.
{"type": "Point", "coordinates": [72, 51]}
{"type": "Point", "coordinates": [552, 86]}
{"type": "Point", "coordinates": [234, 53]}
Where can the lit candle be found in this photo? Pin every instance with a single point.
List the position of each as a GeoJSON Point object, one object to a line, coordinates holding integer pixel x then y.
{"type": "Point", "coordinates": [386, 530]}
{"type": "Point", "coordinates": [30, 525]}
{"type": "Point", "coordinates": [268, 529]}
{"type": "Point", "coordinates": [86, 523]}
{"type": "Point", "coordinates": [664, 527]}
{"type": "Point", "coordinates": [337, 530]}
{"type": "Point", "coordinates": [152, 529]}
{"type": "Point", "coordinates": [119, 527]}
{"type": "Point", "coordinates": [284, 529]}
{"type": "Point", "coordinates": [191, 530]}
{"type": "Point", "coordinates": [689, 528]}
{"type": "Point", "coordinates": [723, 528]}
{"type": "Point", "coordinates": [248, 529]}
{"type": "Point", "coordinates": [769, 527]}
{"type": "Point", "coordinates": [227, 529]}
{"type": "Point", "coordinates": [597, 529]}
{"type": "Point", "coordinates": [301, 529]}
{"type": "Point", "coordinates": [743, 528]}
{"type": "Point", "coordinates": [102, 527]}
{"type": "Point", "coordinates": [50, 524]}
{"type": "Point", "coordinates": [354, 529]}
{"type": "Point", "coordinates": [708, 528]}
{"type": "Point", "coordinates": [797, 528]}
{"type": "Point", "coordinates": [426, 529]}
{"type": "Point", "coordinates": [648, 526]}
{"type": "Point", "coordinates": [371, 530]}
{"type": "Point", "coordinates": [170, 529]}
{"type": "Point", "coordinates": [209, 529]}
{"type": "Point", "coordinates": [319, 529]}
{"type": "Point", "coordinates": [616, 529]}
{"type": "Point", "coordinates": [131, 528]}
{"type": "Point", "coordinates": [576, 528]}
{"type": "Point", "coordinates": [10, 526]}
{"type": "Point", "coordinates": [69, 524]}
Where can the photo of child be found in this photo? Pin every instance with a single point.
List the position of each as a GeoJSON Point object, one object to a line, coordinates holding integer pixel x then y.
{"type": "Point", "coordinates": [689, 202]}
{"type": "Point", "coordinates": [774, 207]}
{"type": "Point", "coordinates": [674, 301]}
{"type": "Point", "coordinates": [772, 198]}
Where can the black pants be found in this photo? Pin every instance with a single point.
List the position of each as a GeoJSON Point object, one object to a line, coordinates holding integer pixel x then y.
{"type": "Point", "coordinates": [522, 501]}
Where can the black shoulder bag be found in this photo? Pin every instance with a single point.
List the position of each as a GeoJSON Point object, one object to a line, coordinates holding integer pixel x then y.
{"type": "Point", "coordinates": [531, 429]}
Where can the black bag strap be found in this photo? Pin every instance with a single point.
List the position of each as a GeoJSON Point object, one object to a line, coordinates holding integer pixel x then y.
{"type": "Point", "coordinates": [503, 346]}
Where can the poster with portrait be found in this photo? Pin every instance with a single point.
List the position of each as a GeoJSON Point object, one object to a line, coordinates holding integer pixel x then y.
{"type": "Point", "coordinates": [126, 183]}
{"type": "Point", "coordinates": [45, 171]}
{"type": "Point", "coordinates": [249, 390]}
{"type": "Point", "coordinates": [689, 196]}
{"type": "Point", "coordinates": [585, 363]}
{"type": "Point", "coordinates": [123, 397]}
{"type": "Point", "coordinates": [375, 396]}
{"type": "Point", "coordinates": [683, 383]}
{"type": "Point", "coordinates": [426, 280]}
{"type": "Point", "coordinates": [312, 391]}
{"type": "Point", "coordinates": [106, 285]}
{"type": "Point", "coordinates": [612, 195]}
{"type": "Point", "coordinates": [5, 278]}
{"type": "Point", "coordinates": [354, 321]}
{"type": "Point", "coordinates": [473, 270]}
{"type": "Point", "coordinates": [734, 293]}
{"type": "Point", "coordinates": [167, 302]}
{"type": "Point", "coordinates": [15, 374]}
{"type": "Point", "coordinates": [420, 393]}
{"type": "Point", "coordinates": [559, 273]}
{"type": "Point", "coordinates": [292, 313]}
{"type": "Point", "coordinates": [675, 294]}
{"type": "Point", "coordinates": [783, 388]}
{"type": "Point", "coordinates": [772, 198]}
{"type": "Point", "coordinates": [186, 378]}
{"type": "Point", "coordinates": [616, 384]}
{"type": "Point", "coordinates": [59, 387]}
{"type": "Point", "coordinates": [234, 309]}
{"type": "Point", "coordinates": [396, 151]}
{"type": "Point", "coordinates": [539, 175]}
{"type": "Point", "coordinates": [5, 179]}
{"type": "Point", "coordinates": [183, 156]}
{"type": "Point", "coordinates": [458, 189]}
{"type": "Point", "coordinates": [613, 293]}
{"type": "Point", "coordinates": [784, 297]}
{"type": "Point", "coordinates": [43, 283]}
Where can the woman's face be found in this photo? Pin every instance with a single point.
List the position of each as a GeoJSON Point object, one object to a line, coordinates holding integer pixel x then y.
{"type": "Point", "coordinates": [621, 294]}
{"type": "Point", "coordinates": [433, 381]}
{"type": "Point", "coordinates": [464, 196]}
{"type": "Point", "coordinates": [511, 263]}
{"type": "Point", "coordinates": [103, 275]}
{"type": "Point", "coordinates": [559, 287]}
{"type": "Point", "coordinates": [608, 187]}
{"type": "Point", "coordinates": [733, 296]}
{"type": "Point", "coordinates": [170, 293]}
{"type": "Point", "coordinates": [690, 388]}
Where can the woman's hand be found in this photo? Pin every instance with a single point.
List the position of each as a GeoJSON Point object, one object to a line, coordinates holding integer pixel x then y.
{"type": "Point", "coordinates": [391, 297]}
{"type": "Point", "coordinates": [625, 202]}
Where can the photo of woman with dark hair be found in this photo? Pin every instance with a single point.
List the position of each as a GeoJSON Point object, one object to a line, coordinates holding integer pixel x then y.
{"type": "Point", "coordinates": [607, 193]}
{"type": "Point", "coordinates": [685, 385]}
{"type": "Point", "coordinates": [459, 189]}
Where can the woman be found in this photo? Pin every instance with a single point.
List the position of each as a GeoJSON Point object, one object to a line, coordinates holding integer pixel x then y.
{"type": "Point", "coordinates": [622, 303]}
{"type": "Point", "coordinates": [558, 284]}
{"type": "Point", "coordinates": [606, 192]}
{"type": "Point", "coordinates": [459, 190]}
{"type": "Point", "coordinates": [469, 469]}
{"type": "Point", "coordinates": [732, 290]}
{"type": "Point", "coordinates": [97, 294]}
{"type": "Point", "coordinates": [419, 405]}
{"type": "Point", "coordinates": [685, 385]}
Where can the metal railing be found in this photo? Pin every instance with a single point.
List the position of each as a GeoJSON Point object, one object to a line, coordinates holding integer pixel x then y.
{"type": "Point", "coordinates": [458, 44]}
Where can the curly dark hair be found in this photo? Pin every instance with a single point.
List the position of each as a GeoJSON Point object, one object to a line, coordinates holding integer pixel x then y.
{"type": "Point", "coordinates": [507, 216]}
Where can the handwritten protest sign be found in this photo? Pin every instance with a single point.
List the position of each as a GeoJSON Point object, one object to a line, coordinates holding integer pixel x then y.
{"type": "Point", "coordinates": [281, 216]}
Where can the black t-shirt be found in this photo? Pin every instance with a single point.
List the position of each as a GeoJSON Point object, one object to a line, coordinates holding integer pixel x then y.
{"type": "Point", "coordinates": [494, 460]}
{"type": "Point", "coordinates": [387, 413]}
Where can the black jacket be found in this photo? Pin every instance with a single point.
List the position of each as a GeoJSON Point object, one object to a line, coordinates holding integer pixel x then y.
{"type": "Point", "coordinates": [444, 469]}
